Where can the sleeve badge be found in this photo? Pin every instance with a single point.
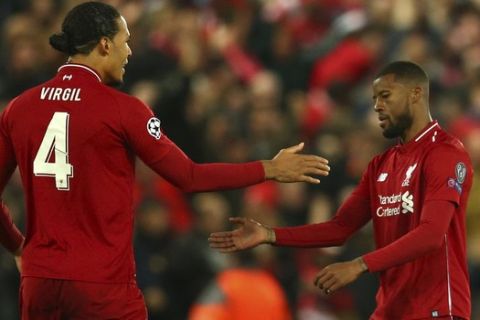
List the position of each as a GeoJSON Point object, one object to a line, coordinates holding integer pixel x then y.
{"type": "Point", "coordinates": [153, 128]}
{"type": "Point", "coordinates": [460, 172]}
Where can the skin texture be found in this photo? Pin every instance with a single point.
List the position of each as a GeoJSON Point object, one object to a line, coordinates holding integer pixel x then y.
{"type": "Point", "coordinates": [109, 58]}
{"type": "Point", "coordinates": [110, 55]}
{"type": "Point", "coordinates": [402, 108]}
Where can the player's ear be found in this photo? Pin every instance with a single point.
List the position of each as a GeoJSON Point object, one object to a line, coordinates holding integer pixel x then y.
{"type": "Point", "coordinates": [104, 46]}
{"type": "Point", "coordinates": [416, 94]}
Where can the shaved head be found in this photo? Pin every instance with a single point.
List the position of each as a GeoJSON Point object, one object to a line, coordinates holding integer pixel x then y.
{"type": "Point", "coordinates": [405, 72]}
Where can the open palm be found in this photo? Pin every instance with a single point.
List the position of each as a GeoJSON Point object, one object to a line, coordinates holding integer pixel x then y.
{"type": "Point", "coordinates": [248, 234]}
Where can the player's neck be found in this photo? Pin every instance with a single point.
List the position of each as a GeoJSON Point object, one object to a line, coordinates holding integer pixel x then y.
{"type": "Point", "coordinates": [90, 61]}
{"type": "Point", "coordinates": [419, 123]}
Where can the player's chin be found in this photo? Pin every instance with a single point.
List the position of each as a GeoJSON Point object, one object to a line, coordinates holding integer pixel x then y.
{"type": "Point", "coordinates": [116, 82]}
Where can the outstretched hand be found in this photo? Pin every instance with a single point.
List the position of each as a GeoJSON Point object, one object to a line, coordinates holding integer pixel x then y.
{"type": "Point", "coordinates": [289, 166]}
{"type": "Point", "coordinates": [248, 234]}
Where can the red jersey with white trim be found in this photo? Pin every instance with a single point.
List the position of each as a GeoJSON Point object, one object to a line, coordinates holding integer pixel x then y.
{"type": "Point", "coordinates": [416, 194]}
{"type": "Point", "coordinates": [74, 140]}
{"type": "Point", "coordinates": [432, 166]}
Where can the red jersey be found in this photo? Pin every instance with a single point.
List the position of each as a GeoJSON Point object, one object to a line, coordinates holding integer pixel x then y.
{"type": "Point", "coordinates": [74, 140]}
{"type": "Point", "coordinates": [395, 191]}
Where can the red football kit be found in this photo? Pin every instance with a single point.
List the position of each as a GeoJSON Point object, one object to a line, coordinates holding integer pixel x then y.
{"type": "Point", "coordinates": [75, 140]}
{"type": "Point", "coordinates": [416, 194]}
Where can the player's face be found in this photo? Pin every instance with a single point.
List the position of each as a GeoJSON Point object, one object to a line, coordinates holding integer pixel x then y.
{"type": "Point", "coordinates": [391, 102]}
{"type": "Point", "coordinates": [119, 53]}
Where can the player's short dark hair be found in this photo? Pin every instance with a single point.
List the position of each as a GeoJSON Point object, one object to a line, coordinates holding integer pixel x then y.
{"type": "Point", "coordinates": [84, 26]}
{"type": "Point", "coordinates": [404, 70]}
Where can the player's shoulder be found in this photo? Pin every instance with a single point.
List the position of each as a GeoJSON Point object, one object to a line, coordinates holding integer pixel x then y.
{"type": "Point", "coordinates": [446, 146]}
{"type": "Point", "coordinates": [123, 99]}
{"type": "Point", "coordinates": [446, 142]}
{"type": "Point", "coordinates": [23, 99]}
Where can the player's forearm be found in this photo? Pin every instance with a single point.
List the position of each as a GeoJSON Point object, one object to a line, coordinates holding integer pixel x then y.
{"type": "Point", "coordinates": [351, 216]}
{"type": "Point", "coordinates": [428, 236]}
{"type": "Point", "coordinates": [189, 176]}
{"type": "Point", "coordinates": [327, 234]}
{"type": "Point", "coordinates": [10, 237]}
{"type": "Point", "coordinates": [221, 176]}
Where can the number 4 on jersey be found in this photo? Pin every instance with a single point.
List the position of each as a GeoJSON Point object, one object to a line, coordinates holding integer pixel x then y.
{"type": "Point", "coordinates": [55, 138]}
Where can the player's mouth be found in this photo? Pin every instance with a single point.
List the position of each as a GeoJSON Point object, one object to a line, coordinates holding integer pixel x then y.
{"type": "Point", "coordinates": [123, 65]}
{"type": "Point", "coordinates": [383, 121]}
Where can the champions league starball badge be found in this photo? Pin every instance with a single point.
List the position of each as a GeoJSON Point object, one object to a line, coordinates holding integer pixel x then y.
{"type": "Point", "coordinates": [153, 128]}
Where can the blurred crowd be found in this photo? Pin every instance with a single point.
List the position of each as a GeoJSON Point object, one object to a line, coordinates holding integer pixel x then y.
{"type": "Point", "coordinates": [237, 80]}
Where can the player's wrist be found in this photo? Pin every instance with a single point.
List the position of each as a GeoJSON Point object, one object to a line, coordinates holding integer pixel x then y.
{"type": "Point", "coordinates": [271, 238]}
{"type": "Point", "coordinates": [361, 265]}
{"type": "Point", "coordinates": [269, 169]}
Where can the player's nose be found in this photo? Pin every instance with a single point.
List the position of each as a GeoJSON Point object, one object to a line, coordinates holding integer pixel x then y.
{"type": "Point", "coordinates": [378, 106]}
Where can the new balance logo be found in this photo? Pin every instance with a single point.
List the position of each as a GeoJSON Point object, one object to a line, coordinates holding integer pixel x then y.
{"type": "Point", "coordinates": [67, 77]}
{"type": "Point", "coordinates": [382, 177]}
{"type": "Point", "coordinates": [408, 175]}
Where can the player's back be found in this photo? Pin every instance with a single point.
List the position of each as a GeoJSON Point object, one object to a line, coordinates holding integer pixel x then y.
{"type": "Point", "coordinates": [78, 172]}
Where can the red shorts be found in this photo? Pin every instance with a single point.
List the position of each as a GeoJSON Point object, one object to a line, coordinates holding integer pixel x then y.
{"type": "Point", "coordinates": [53, 299]}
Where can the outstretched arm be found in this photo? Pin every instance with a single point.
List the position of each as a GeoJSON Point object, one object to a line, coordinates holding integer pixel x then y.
{"type": "Point", "coordinates": [287, 166]}
{"type": "Point", "coordinates": [164, 157]}
{"type": "Point", "coordinates": [351, 216]}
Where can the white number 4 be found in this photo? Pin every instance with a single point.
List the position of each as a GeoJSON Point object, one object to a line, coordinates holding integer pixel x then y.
{"type": "Point", "coordinates": [55, 138]}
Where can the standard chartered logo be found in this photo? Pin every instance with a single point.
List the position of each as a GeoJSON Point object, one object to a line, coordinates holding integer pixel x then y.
{"type": "Point", "coordinates": [403, 203]}
{"type": "Point", "coordinates": [407, 202]}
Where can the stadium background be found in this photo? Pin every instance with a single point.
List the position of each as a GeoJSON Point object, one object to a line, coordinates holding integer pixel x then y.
{"type": "Point", "coordinates": [236, 80]}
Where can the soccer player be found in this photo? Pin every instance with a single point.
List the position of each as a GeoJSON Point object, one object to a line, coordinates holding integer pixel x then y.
{"type": "Point", "coordinates": [74, 140]}
{"type": "Point", "coordinates": [415, 193]}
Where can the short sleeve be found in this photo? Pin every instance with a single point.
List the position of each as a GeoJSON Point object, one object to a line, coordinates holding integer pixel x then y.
{"type": "Point", "coordinates": [446, 172]}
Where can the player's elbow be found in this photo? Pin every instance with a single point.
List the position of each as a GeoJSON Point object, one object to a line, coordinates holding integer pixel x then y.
{"type": "Point", "coordinates": [186, 187]}
{"type": "Point", "coordinates": [434, 241]}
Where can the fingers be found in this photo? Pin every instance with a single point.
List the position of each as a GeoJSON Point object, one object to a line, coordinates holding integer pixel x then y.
{"type": "Point", "coordinates": [222, 241]}
{"type": "Point", "coordinates": [221, 244]}
{"type": "Point", "coordinates": [313, 158]}
{"type": "Point", "coordinates": [317, 171]}
{"type": "Point", "coordinates": [221, 235]}
{"type": "Point", "coordinates": [322, 276]}
{"type": "Point", "coordinates": [327, 281]}
{"type": "Point", "coordinates": [308, 179]}
{"type": "Point", "coordinates": [295, 149]}
{"type": "Point", "coordinates": [314, 161]}
{"type": "Point", "coordinates": [237, 220]}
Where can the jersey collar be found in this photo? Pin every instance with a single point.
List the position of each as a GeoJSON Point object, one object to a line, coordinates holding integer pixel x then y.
{"type": "Point", "coordinates": [426, 134]}
{"type": "Point", "coordinates": [84, 68]}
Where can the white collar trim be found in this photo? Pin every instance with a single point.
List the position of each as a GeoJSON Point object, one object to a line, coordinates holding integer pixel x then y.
{"type": "Point", "coordinates": [82, 67]}
{"type": "Point", "coordinates": [426, 131]}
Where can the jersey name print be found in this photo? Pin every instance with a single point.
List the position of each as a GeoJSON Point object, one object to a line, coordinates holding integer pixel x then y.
{"type": "Point", "coordinates": [76, 153]}
{"type": "Point", "coordinates": [76, 158]}
{"type": "Point", "coordinates": [60, 94]}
